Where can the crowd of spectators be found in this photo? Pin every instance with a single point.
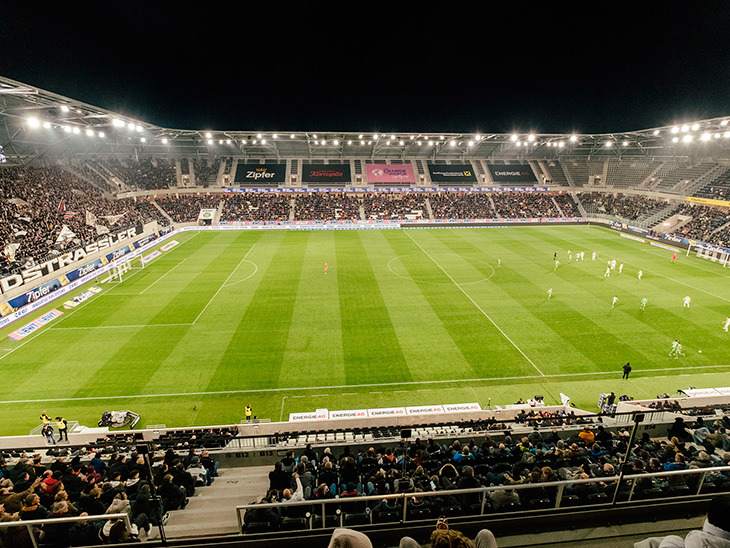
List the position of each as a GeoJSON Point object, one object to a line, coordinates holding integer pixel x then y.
{"type": "Point", "coordinates": [145, 174]}
{"type": "Point", "coordinates": [389, 206]}
{"type": "Point", "coordinates": [331, 206]}
{"type": "Point", "coordinates": [206, 172]}
{"type": "Point", "coordinates": [461, 205]}
{"type": "Point", "coordinates": [37, 202]}
{"type": "Point", "coordinates": [537, 458]}
{"type": "Point", "coordinates": [185, 208]}
{"type": "Point", "coordinates": [707, 224]}
{"type": "Point", "coordinates": [95, 484]}
{"type": "Point", "coordinates": [525, 205]}
{"type": "Point", "coordinates": [625, 206]}
{"type": "Point", "coordinates": [255, 206]}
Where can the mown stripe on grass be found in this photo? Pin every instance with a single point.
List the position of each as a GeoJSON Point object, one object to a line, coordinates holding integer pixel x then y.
{"type": "Point", "coordinates": [255, 354]}
{"type": "Point", "coordinates": [371, 350]}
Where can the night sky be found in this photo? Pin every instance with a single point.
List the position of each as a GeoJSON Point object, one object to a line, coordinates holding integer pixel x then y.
{"type": "Point", "coordinates": [375, 67]}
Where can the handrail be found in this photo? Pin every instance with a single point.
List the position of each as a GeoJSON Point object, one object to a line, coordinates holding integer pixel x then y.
{"type": "Point", "coordinates": [626, 479]}
{"type": "Point", "coordinates": [71, 519]}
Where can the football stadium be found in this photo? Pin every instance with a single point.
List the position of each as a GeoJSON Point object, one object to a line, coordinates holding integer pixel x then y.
{"type": "Point", "coordinates": [242, 338]}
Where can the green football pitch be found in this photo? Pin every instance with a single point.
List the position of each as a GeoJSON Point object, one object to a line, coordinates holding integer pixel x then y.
{"type": "Point", "coordinates": [401, 317]}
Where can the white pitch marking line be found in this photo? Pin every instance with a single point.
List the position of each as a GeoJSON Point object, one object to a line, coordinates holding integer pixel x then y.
{"type": "Point", "coordinates": [351, 386]}
{"type": "Point", "coordinates": [474, 303]}
{"type": "Point", "coordinates": [223, 284]}
{"type": "Point", "coordinates": [165, 274]}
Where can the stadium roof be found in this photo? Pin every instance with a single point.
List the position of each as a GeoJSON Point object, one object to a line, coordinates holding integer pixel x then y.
{"type": "Point", "coordinates": [39, 125]}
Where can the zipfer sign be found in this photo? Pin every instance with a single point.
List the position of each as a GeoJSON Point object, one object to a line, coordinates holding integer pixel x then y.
{"type": "Point", "coordinates": [38, 271]}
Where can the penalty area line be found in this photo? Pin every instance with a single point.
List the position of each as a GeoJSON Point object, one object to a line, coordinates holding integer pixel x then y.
{"type": "Point", "coordinates": [354, 386]}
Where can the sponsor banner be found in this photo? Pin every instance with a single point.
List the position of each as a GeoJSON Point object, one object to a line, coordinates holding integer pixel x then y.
{"type": "Point", "coordinates": [707, 201]}
{"type": "Point", "coordinates": [521, 173]}
{"type": "Point", "coordinates": [667, 247]}
{"type": "Point", "coordinates": [452, 173]}
{"type": "Point", "coordinates": [699, 392]}
{"type": "Point", "coordinates": [206, 214]}
{"type": "Point", "coordinates": [389, 173]}
{"type": "Point", "coordinates": [461, 407]}
{"type": "Point", "coordinates": [232, 190]}
{"type": "Point", "coordinates": [678, 239]}
{"type": "Point", "coordinates": [259, 174]}
{"type": "Point", "coordinates": [26, 303]}
{"type": "Point", "coordinates": [425, 410]}
{"type": "Point", "coordinates": [81, 297]}
{"type": "Point", "coordinates": [349, 414]}
{"type": "Point", "coordinates": [36, 324]}
{"type": "Point", "coordinates": [387, 412]}
{"type": "Point", "coordinates": [318, 415]}
{"type": "Point", "coordinates": [326, 173]}
{"type": "Point", "coordinates": [37, 272]}
{"type": "Point", "coordinates": [635, 238]}
{"type": "Point", "coordinates": [153, 255]}
{"type": "Point", "coordinates": [169, 245]}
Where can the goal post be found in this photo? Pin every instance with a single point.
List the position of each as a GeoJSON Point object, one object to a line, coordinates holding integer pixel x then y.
{"type": "Point", "coordinates": [714, 254]}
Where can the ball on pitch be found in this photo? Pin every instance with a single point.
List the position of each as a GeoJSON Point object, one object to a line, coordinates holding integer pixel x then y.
{"type": "Point", "coordinates": [700, 351]}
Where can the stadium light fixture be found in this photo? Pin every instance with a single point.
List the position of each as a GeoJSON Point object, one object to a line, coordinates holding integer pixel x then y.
{"type": "Point", "coordinates": [625, 143]}
{"type": "Point", "coordinates": [573, 138]}
{"type": "Point", "coordinates": [561, 144]}
{"type": "Point", "coordinates": [608, 144]}
{"type": "Point", "coordinates": [723, 123]}
{"type": "Point", "coordinates": [705, 137]}
{"type": "Point", "coordinates": [210, 141]}
{"type": "Point", "coordinates": [64, 108]}
{"type": "Point", "coordinates": [34, 122]}
{"type": "Point", "coordinates": [102, 134]}
{"type": "Point", "coordinates": [675, 139]}
{"type": "Point", "coordinates": [726, 135]}
{"type": "Point", "coordinates": [164, 141]}
{"type": "Point", "coordinates": [76, 131]}
{"type": "Point", "coordinates": [514, 137]}
{"type": "Point", "coordinates": [695, 127]}
{"type": "Point", "coordinates": [143, 139]}
{"type": "Point", "coordinates": [89, 133]}
{"type": "Point", "coordinates": [675, 129]}
{"type": "Point", "coordinates": [117, 122]}
{"type": "Point", "coordinates": [656, 132]}
{"type": "Point", "coordinates": [687, 138]}
{"type": "Point", "coordinates": [208, 135]}
{"type": "Point", "coordinates": [336, 142]}
{"type": "Point", "coordinates": [47, 125]}
{"type": "Point", "coordinates": [292, 136]}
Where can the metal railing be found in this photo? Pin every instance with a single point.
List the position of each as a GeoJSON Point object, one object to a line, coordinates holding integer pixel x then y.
{"type": "Point", "coordinates": [30, 524]}
{"type": "Point", "coordinates": [321, 509]}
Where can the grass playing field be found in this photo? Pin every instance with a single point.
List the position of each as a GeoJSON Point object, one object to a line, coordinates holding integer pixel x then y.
{"type": "Point", "coordinates": [402, 317]}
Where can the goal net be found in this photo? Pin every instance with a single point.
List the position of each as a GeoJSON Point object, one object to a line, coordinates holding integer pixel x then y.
{"type": "Point", "coordinates": [122, 270]}
{"type": "Point", "coordinates": [714, 254]}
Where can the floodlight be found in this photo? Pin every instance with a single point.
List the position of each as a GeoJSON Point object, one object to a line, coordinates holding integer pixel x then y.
{"type": "Point", "coordinates": [34, 122]}
{"type": "Point", "coordinates": [705, 137]}
{"type": "Point", "coordinates": [275, 136]}
{"type": "Point", "coordinates": [687, 138]}
{"type": "Point", "coordinates": [608, 144]}
{"type": "Point", "coordinates": [573, 138]}
{"type": "Point", "coordinates": [675, 129]}
{"type": "Point", "coordinates": [143, 139]}
{"type": "Point", "coordinates": [695, 127]}
{"type": "Point", "coordinates": [164, 141]}
{"type": "Point", "coordinates": [228, 141]}
{"type": "Point", "coordinates": [685, 129]}
{"type": "Point", "coordinates": [138, 129]}
{"type": "Point", "coordinates": [291, 136]}
{"type": "Point", "coordinates": [208, 135]}
{"type": "Point", "coordinates": [723, 123]}
{"type": "Point", "coordinates": [118, 123]}
{"type": "Point", "coordinates": [656, 132]}
{"type": "Point", "coordinates": [210, 141]}
{"type": "Point", "coordinates": [561, 144]}
{"type": "Point", "coordinates": [625, 143]}
{"type": "Point", "coordinates": [89, 132]}
{"type": "Point", "coordinates": [130, 125]}
{"type": "Point", "coordinates": [675, 139]}
{"type": "Point", "coordinates": [514, 137]}
{"type": "Point", "coordinates": [47, 125]}
{"type": "Point", "coordinates": [102, 134]}
{"type": "Point", "coordinates": [531, 138]}
{"type": "Point", "coordinates": [64, 108]}
{"type": "Point", "coordinates": [336, 142]}
{"type": "Point", "coordinates": [726, 134]}
{"type": "Point", "coordinates": [76, 130]}
{"type": "Point", "coordinates": [453, 143]}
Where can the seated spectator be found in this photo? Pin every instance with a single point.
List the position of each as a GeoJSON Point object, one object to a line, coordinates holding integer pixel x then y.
{"type": "Point", "coordinates": [443, 537]}
{"type": "Point", "coordinates": [715, 531]}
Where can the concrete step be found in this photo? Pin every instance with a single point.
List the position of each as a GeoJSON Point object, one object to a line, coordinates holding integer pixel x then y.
{"type": "Point", "coordinates": [212, 509]}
